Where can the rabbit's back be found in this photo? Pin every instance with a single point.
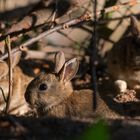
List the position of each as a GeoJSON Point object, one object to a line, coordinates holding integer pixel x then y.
{"type": "Point", "coordinates": [79, 104]}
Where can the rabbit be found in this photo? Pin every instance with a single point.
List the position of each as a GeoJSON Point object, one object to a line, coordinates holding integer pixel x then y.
{"type": "Point", "coordinates": [124, 60]}
{"type": "Point", "coordinates": [18, 105]}
{"type": "Point", "coordinates": [52, 95]}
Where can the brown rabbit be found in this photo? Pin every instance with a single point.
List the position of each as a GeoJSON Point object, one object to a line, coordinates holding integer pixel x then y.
{"type": "Point", "coordinates": [124, 59]}
{"type": "Point", "coordinates": [18, 104]}
{"type": "Point", "coordinates": [51, 94]}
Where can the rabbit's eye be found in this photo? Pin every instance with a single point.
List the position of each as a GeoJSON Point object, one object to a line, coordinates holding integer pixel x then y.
{"type": "Point", "coordinates": [43, 86]}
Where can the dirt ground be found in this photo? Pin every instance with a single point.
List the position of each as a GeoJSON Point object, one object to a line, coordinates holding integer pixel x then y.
{"type": "Point", "coordinates": [51, 128]}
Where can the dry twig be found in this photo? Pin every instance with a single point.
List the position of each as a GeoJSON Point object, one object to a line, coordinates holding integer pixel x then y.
{"type": "Point", "coordinates": [93, 57]}
{"type": "Point", "coordinates": [45, 33]}
{"type": "Point", "coordinates": [8, 45]}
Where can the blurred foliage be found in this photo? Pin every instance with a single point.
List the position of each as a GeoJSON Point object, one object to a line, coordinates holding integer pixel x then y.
{"type": "Point", "coordinates": [108, 15]}
{"type": "Point", "coordinates": [98, 131]}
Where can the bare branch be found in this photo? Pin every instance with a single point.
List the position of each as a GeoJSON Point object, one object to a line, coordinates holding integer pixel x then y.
{"type": "Point", "coordinates": [8, 45]}
{"type": "Point", "coordinates": [93, 57]}
{"type": "Point", "coordinates": [45, 33]}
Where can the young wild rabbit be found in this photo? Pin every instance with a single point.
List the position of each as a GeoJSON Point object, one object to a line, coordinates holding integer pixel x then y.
{"type": "Point", "coordinates": [51, 94]}
{"type": "Point", "coordinates": [124, 59]}
{"type": "Point", "coordinates": [18, 104]}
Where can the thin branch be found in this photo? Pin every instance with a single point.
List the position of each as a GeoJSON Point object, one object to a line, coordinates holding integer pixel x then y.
{"type": "Point", "coordinates": [45, 33]}
{"type": "Point", "coordinates": [93, 57]}
{"type": "Point", "coordinates": [86, 29]}
{"type": "Point", "coordinates": [8, 45]}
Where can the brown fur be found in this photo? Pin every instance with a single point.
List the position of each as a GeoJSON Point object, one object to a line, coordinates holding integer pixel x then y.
{"type": "Point", "coordinates": [52, 94]}
{"type": "Point", "coordinates": [78, 104]}
{"type": "Point", "coordinates": [59, 100]}
{"type": "Point", "coordinates": [18, 104]}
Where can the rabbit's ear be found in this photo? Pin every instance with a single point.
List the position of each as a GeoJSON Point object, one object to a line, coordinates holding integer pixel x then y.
{"type": "Point", "coordinates": [59, 61]}
{"type": "Point", "coordinates": [69, 70]}
{"type": "Point", "coordinates": [134, 26]}
{"type": "Point", "coordinates": [15, 58]}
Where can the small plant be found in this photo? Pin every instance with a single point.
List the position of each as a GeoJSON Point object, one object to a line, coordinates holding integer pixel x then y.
{"type": "Point", "coordinates": [98, 131]}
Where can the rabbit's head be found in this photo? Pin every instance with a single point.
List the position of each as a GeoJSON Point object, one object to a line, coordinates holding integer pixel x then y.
{"type": "Point", "coordinates": [49, 89]}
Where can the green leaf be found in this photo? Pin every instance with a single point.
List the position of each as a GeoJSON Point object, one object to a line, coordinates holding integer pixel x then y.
{"type": "Point", "coordinates": [98, 131]}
